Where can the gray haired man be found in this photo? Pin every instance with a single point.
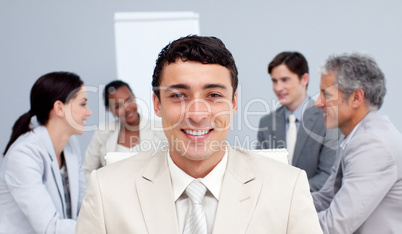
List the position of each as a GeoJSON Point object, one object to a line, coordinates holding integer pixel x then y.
{"type": "Point", "coordinates": [364, 191]}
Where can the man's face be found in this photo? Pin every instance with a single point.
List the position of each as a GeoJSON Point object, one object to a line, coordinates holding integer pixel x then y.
{"type": "Point", "coordinates": [337, 111]}
{"type": "Point", "coordinates": [196, 107]}
{"type": "Point", "coordinates": [288, 87]}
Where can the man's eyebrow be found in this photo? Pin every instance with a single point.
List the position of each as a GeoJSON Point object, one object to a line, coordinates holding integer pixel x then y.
{"type": "Point", "coordinates": [280, 78]}
{"type": "Point", "coordinates": [325, 91]}
{"type": "Point", "coordinates": [177, 86]}
{"type": "Point", "coordinates": [185, 86]}
{"type": "Point", "coordinates": [211, 86]}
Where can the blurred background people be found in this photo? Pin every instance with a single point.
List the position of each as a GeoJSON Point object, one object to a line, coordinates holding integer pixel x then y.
{"type": "Point", "coordinates": [41, 179]}
{"type": "Point", "coordinates": [124, 134]}
{"type": "Point", "coordinates": [298, 125]}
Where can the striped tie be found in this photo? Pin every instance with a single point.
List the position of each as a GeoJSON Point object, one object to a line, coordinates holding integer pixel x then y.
{"type": "Point", "coordinates": [196, 221]}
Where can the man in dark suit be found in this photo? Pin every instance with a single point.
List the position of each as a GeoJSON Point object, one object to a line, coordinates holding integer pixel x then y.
{"type": "Point", "coordinates": [313, 147]}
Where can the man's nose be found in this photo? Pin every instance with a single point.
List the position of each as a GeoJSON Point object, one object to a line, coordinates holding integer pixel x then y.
{"type": "Point", "coordinates": [198, 110]}
{"type": "Point", "coordinates": [319, 103]}
{"type": "Point", "coordinates": [278, 86]}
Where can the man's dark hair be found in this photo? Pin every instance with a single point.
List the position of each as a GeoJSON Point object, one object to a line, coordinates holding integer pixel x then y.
{"type": "Point", "coordinates": [294, 61]}
{"type": "Point", "coordinates": [206, 50]}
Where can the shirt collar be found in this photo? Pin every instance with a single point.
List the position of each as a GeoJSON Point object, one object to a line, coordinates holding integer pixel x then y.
{"type": "Point", "coordinates": [347, 139]}
{"type": "Point", "coordinates": [213, 181]}
{"type": "Point", "coordinates": [299, 110]}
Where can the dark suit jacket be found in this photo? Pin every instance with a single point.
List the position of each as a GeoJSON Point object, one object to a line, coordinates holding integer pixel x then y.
{"type": "Point", "coordinates": [315, 149]}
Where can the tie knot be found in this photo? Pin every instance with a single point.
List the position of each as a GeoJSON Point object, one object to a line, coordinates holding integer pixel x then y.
{"type": "Point", "coordinates": [196, 191]}
{"type": "Point", "coordinates": [292, 118]}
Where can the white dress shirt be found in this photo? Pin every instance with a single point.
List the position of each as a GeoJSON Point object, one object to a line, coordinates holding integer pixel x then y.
{"type": "Point", "coordinates": [213, 182]}
{"type": "Point", "coordinates": [298, 112]}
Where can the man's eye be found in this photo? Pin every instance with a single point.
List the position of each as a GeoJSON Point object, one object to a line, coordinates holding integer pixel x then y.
{"type": "Point", "coordinates": [177, 95]}
{"type": "Point", "coordinates": [215, 95]}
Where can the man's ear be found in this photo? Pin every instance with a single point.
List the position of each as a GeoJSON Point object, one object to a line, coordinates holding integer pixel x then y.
{"type": "Point", "coordinates": [157, 105]}
{"type": "Point", "coordinates": [234, 103]}
{"type": "Point", "coordinates": [58, 108]}
{"type": "Point", "coordinates": [304, 79]}
{"type": "Point", "coordinates": [357, 98]}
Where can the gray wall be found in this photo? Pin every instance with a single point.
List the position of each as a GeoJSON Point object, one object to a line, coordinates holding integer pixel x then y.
{"type": "Point", "coordinates": [37, 37]}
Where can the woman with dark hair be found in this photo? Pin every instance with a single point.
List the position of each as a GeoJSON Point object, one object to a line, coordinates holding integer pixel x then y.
{"type": "Point", "coordinates": [129, 133]}
{"type": "Point", "coordinates": [41, 179]}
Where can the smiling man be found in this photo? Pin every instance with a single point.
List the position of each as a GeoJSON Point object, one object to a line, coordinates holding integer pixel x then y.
{"type": "Point", "coordinates": [312, 147]}
{"type": "Point", "coordinates": [199, 184]}
{"type": "Point", "coordinates": [364, 192]}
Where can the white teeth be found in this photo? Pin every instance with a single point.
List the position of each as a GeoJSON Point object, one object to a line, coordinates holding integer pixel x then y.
{"type": "Point", "coordinates": [196, 133]}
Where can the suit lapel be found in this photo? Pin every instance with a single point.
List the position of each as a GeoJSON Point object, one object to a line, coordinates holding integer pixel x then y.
{"type": "Point", "coordinates": [309, 118]}
{"type": "Point", "coordinates": [111, 144]}
{"type": "Point", "coordinates": [279, 127]}
{"type": "Point", "coordinates": [73, 174]}
{"type": "Point", "coordinates": [239, 196]}
{"type": "Point", "coordinates": [156, 197]}
{"type": "Point", "coordinates": [339, 169]}
{"type": "Point", "coordinates": [59, 183]}
{"type": "Point", "coordinates": [42, 131]}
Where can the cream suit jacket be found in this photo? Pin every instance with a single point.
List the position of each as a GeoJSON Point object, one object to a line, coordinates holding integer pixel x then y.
{"type": "Point", "coordinates": [259, 195]}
